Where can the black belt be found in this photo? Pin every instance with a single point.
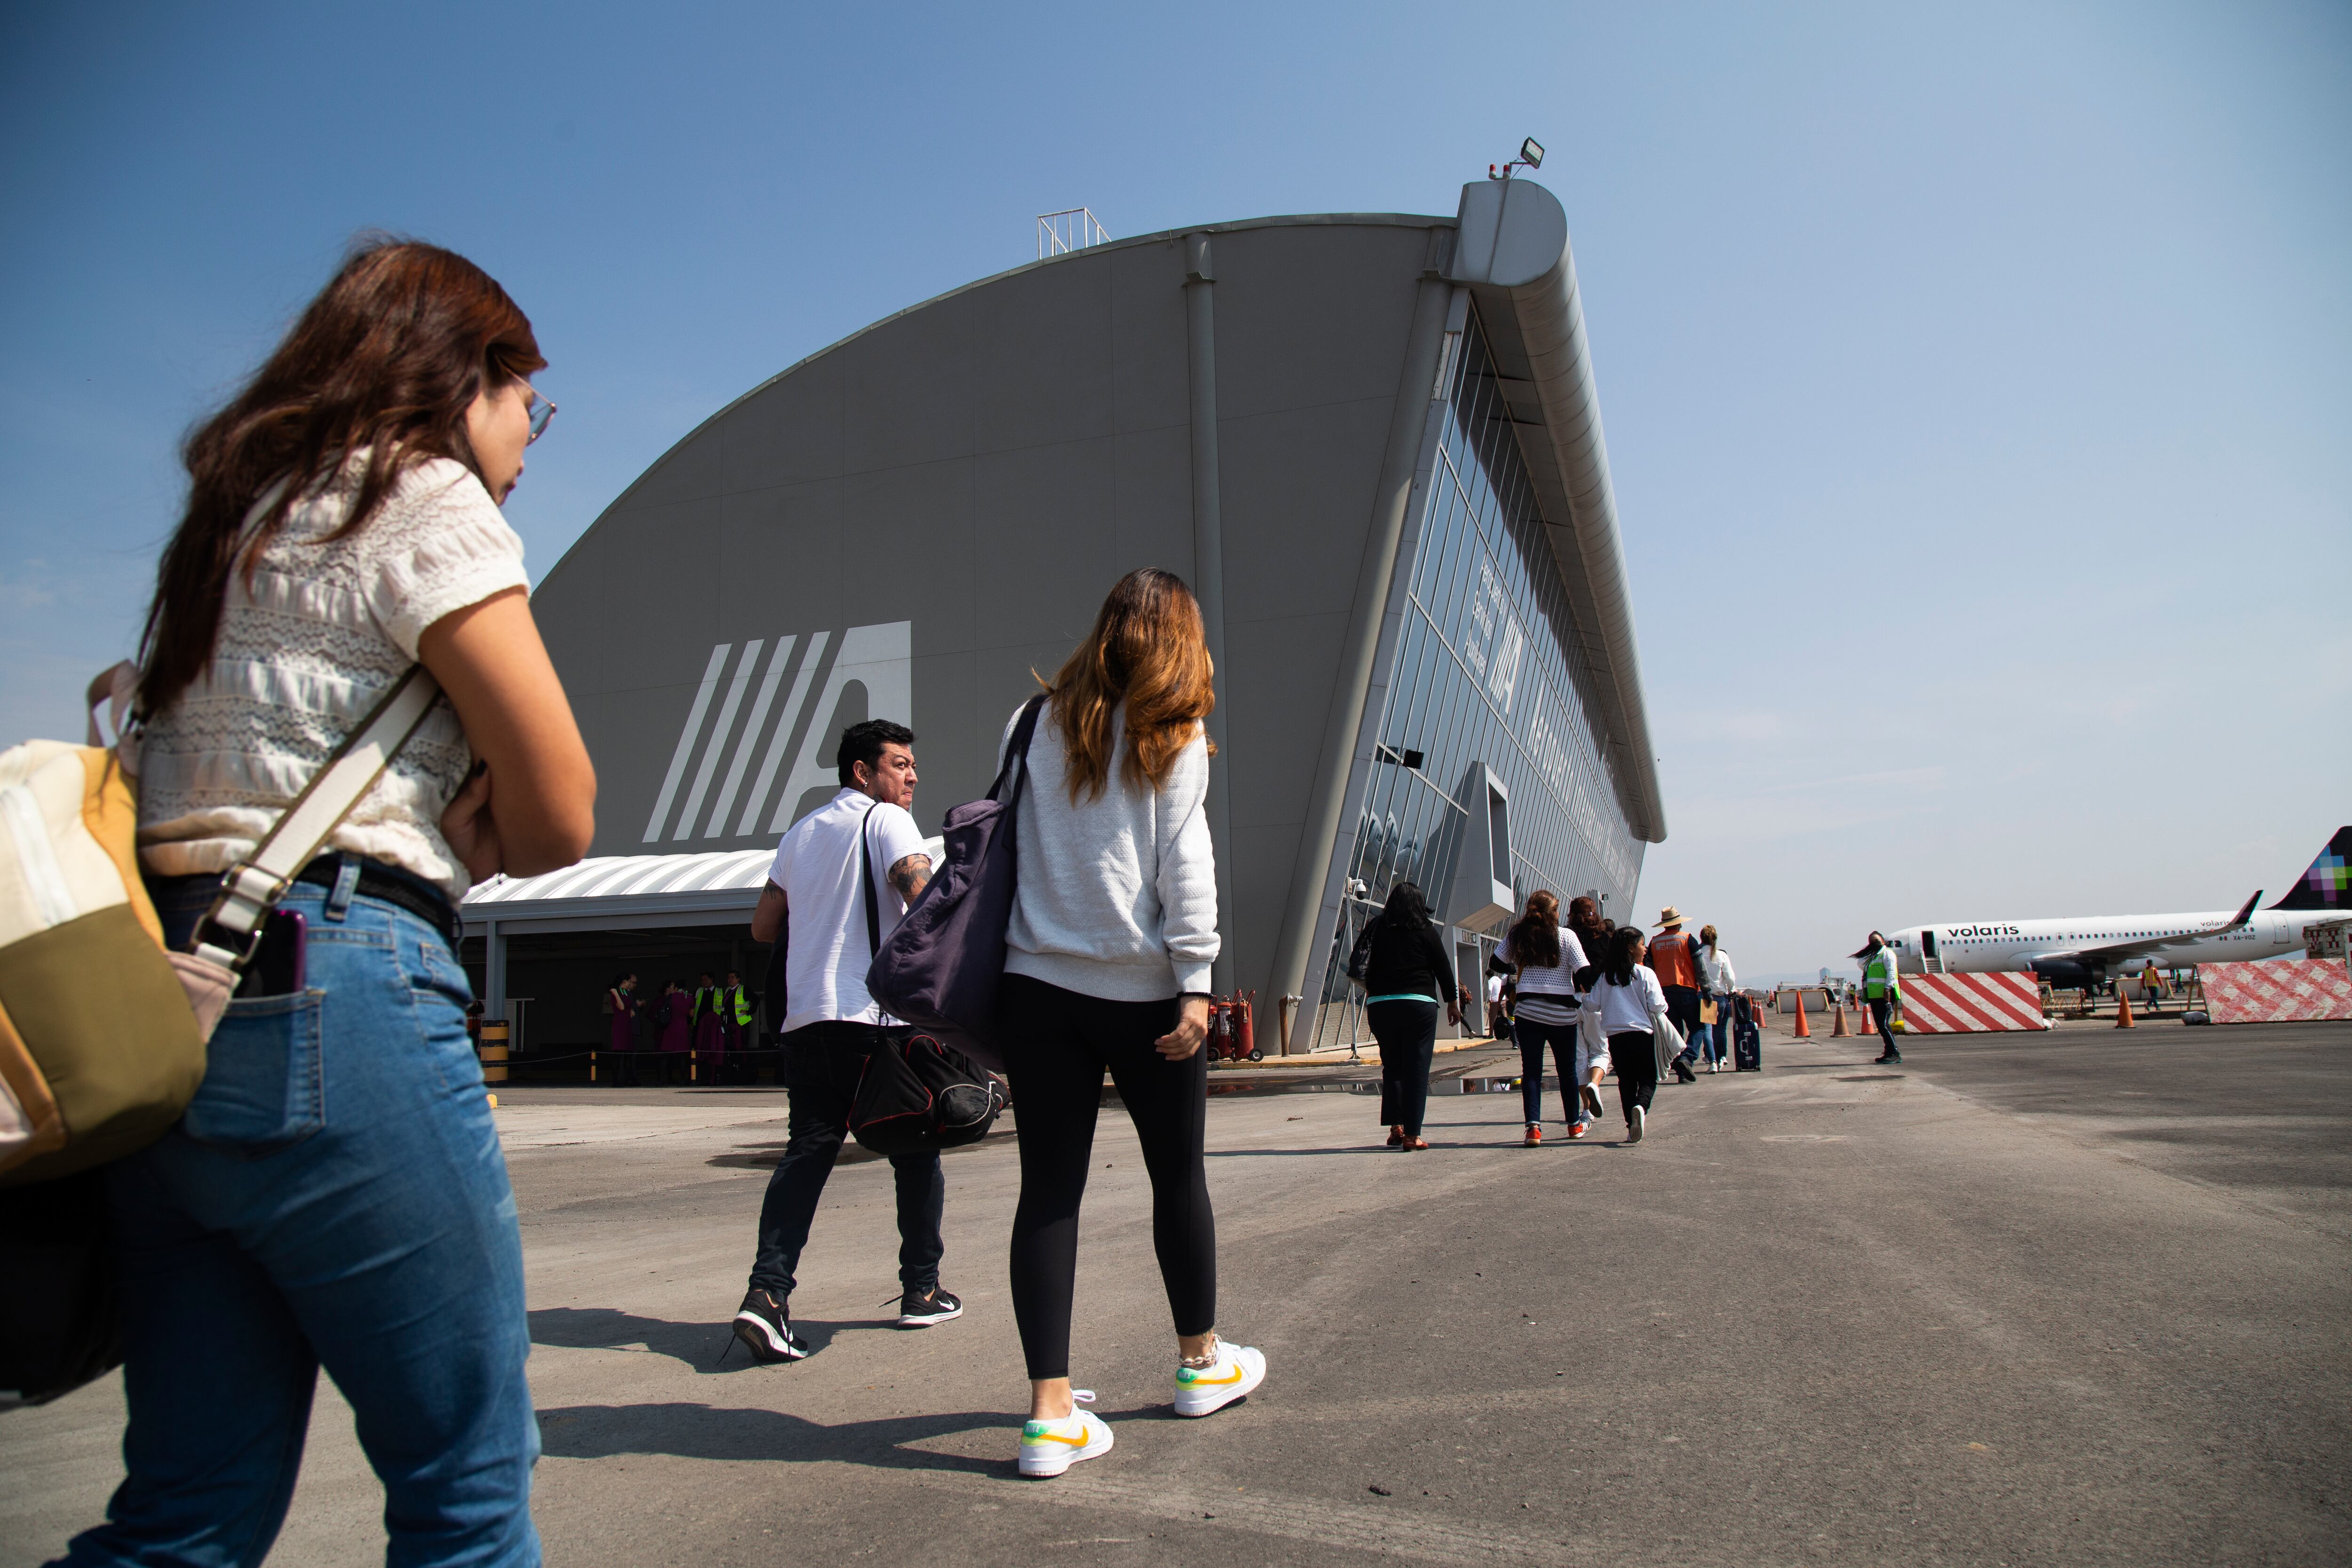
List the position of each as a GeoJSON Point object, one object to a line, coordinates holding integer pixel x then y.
{"type": "Point", "coordinates": [405, 889]}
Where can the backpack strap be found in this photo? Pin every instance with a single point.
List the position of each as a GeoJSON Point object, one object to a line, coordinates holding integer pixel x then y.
{"type": "Point", "coordinates": [231, 930]}
{"type": "Point", "coordinates": [1016, 752]}
{"type": "Point", "coordinates": [866, 883]}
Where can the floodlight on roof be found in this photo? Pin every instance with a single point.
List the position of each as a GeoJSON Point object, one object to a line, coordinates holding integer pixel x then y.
{"type": "Point", "coordinates": [1530, 157]}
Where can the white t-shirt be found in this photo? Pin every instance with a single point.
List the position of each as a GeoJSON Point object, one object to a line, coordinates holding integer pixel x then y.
{"type": "Point", "coordinates": [816, 866]}
{"type": "Point", "coordinates": [1624, 1007]}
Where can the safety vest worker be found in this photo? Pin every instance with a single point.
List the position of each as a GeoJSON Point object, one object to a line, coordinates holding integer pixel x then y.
{"type": "Point", "coordinates": [735, 1004]}
{"type": "Point", "coordinates": [1882, 990]}
{"type": "Point", "coordinates": [1882, 976]}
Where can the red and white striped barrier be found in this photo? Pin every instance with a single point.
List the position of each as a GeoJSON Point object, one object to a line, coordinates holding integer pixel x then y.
{"type": "Point", "coordinates": [1972, 1004]}
{"type": "Point", "coordinates": [2280, 991]}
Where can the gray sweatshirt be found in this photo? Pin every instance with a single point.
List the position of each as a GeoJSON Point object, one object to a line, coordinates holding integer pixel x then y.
{"type": "Point", "coordinates": [1118, 898]}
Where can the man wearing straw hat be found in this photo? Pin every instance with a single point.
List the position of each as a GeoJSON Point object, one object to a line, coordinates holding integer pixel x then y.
{"type": "Point", "coordinates": [1674, 957]}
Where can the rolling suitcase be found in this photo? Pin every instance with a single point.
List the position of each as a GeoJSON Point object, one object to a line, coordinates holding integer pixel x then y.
{"type": "Point", "coordinates": [1747, 1040]}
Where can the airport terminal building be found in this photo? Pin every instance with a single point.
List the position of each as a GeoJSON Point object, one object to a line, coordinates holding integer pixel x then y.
{"type": "Point", "coordinates": [1371, 442]}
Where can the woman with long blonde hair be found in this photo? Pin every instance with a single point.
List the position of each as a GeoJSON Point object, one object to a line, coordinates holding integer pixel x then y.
{"type": "Point", "coordinates": [1107, 969]}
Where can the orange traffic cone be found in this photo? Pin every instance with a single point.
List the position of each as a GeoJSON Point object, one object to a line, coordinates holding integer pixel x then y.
{"type": "Point", "coordinates": [1801, 1031]}
{"type": "Point", "coordinates": [1837, 1018]}
{"type": "Point", "coordinates": [2123, 1010]}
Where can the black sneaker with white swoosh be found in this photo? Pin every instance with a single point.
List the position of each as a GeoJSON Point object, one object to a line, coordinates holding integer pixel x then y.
{"type": "Point", "coordinates": [765, 1327]}
{"type": "Point", "coordinates": [933, 1306]}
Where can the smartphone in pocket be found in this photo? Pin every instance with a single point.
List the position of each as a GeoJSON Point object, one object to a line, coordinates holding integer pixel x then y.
{"type": "Point", "coordinates": [277, 969]}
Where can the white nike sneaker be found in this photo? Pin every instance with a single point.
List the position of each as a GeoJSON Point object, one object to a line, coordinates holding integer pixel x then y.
{"type": "Point", "coordinates": [1049, 1447]}
{"type": "Point", "coordinates": [1202, 1389]}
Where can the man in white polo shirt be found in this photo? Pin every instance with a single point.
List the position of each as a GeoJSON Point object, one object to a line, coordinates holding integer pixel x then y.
{"type": "Point", "coordinates": [814, 903]}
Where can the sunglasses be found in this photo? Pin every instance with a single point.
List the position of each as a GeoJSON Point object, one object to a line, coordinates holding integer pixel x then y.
{"type": "Point", "coordinates": [542, 411]}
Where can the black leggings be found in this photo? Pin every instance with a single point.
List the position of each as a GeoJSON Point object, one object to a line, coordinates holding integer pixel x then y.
{"type": "Point", "coordinates": [1058, 1045]}
{"type": "Point", "coordinates": [1634, 1054]}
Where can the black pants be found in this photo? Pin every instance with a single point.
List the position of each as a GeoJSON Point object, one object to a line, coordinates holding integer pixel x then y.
{"type": "Point", "coordinates": [1682, 1011]}
{"type": "Point", "coordinates": [1634, 1054]}
{"type": "Point", "coordinates": [1407, 1032]}
{"type": "Point", "coordinates": [1057, 1046]}
{"type": "Point", "coordinates": [1533, 1036]}
{"type": "Point", "coordinates": [1882, 1013]}
{"type": "Point", "coordinates": [821, 1062]}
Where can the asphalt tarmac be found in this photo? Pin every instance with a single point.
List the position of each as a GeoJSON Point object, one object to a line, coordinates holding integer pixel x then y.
{"type": "Point", "coordinates": [2072, 1298]}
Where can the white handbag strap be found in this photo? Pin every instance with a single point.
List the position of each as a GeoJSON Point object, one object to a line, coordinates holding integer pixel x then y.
{"type": "Point", "coordinates": [251, 888]}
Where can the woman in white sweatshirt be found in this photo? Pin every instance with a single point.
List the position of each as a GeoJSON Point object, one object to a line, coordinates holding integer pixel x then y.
{"type": "Point", "coordinates": [1107, 969]}
{"type": "Point", "coordinates": [1632, 1009]}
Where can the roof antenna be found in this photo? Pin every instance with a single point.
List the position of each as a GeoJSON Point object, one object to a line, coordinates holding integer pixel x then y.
{"type": "Point", "coordinates": [1530, 157]}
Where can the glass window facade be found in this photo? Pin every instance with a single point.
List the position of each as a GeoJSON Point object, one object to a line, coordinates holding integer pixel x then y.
{"type": "Point", "coordinates": [1482, 674]}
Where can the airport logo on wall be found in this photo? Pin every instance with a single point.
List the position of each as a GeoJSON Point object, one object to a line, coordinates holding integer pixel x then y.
{"type": "Point", "coordinates": [723, 778]}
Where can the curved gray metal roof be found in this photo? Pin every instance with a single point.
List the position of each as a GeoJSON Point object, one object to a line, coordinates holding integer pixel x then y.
{"type": "Point", "coordinates": [1513, 254]}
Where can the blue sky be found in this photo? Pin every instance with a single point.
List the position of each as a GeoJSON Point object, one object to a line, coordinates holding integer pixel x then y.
{"type": "Point", "coordinates": [1977, 380]}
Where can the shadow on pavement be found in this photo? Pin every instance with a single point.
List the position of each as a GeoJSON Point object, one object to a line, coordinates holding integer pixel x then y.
{"type": "Point", "coordinates": [703, 1432]}
{"type": "Point", "coordinates": [699, 1345]}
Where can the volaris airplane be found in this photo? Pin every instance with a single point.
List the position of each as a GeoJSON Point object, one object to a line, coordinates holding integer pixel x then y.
{"type": "Point", "coordinates": [2097, 948]}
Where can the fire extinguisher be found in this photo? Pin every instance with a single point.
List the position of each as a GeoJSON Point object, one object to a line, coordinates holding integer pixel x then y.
{"type": "Point", "coordinates": [1245, 1028]}
{"type": "Point", "coordinates": [1220, 1027]}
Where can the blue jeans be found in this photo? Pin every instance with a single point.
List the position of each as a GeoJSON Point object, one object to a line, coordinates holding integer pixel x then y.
{"type": "Point", "coordinates": [1682, 1007]}
{"type": "Point", "coordinates": [335, 1196]}
{"type": "Point", "coordinates": [1532, 1037]}
{"type": "Point", "coordinates": [1719, 1044]}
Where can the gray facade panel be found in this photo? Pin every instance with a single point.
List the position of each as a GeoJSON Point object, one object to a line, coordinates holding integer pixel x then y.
{"type": "Point", "coordinates": [911, 389]}
{"type": "Point", "coordinates": [1298, 486]}
{"type": "Point", "coordinates": [1045, 356]}
{"type": "Point", "coordinates": [1149, 390]}
{"type": "Point", "coordinates": [1313, 315]}
{"type": "Point", "coordinates": [788, 432]}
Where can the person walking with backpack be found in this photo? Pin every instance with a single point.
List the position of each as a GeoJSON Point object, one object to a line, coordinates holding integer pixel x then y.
{"type": "Point", "coordinates": [1632, 1010]}
{"type": "Point", "coordinates": [1405, 974]}
{"type": "Point", "coordinates": [818, 899]}
{"type": "Point", "coordinates": [335, 1195]}
{"type": "Point", "coordinates": [1546, 959]}
{"type": "Point", "coordinates": [1881, 989]}
{"type": "Point", "coordinates": [1113, 930]}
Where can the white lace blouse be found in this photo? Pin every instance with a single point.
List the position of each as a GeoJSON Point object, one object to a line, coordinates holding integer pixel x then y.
{"type": "Point", "coordinates": [305, 649]}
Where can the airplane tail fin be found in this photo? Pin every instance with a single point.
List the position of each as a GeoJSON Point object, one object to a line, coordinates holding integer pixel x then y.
{"type": "Point", "coordinates": [2328, 884]}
